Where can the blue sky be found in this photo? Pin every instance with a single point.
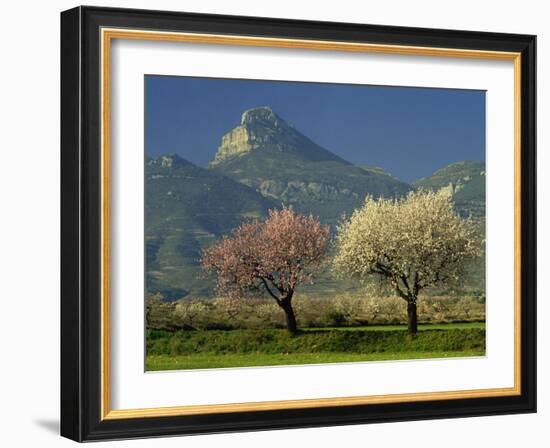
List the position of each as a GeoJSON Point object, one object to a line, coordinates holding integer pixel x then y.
{"type": "Point", "coordinates": [408, 131]}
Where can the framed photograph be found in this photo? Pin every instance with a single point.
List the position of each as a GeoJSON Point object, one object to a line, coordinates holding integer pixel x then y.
{"type": "Point", "coordinates": [273, 223]}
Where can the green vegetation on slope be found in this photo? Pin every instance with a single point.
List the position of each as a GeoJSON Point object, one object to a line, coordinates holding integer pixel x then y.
{"type": "Point", "coordinates": [455, 173]}
{"type": "Point", "coordinates": [206, 349]}
{"type": "Point", "coordinates": [188, 207]}
{"type": "Point", "coordinates": [327, 189]}
{"type": "Point", "coordinates": [466, 181]}
{"type": "Point", "coordinates": [375, 169]}
{"type": "Point", "coordinates": [312, 341]}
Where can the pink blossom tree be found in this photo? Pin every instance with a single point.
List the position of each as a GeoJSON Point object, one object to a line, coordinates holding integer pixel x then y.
{"type": "Point", "coordinates": [275, 256]}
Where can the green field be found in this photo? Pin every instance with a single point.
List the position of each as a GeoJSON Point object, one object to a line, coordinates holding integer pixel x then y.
{"type": "Point", "coordinates": [211, 360]}
{"type": "Point", "coordinates": [245, 348]}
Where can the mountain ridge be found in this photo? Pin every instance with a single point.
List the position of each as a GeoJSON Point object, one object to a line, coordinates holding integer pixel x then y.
{"type": "Point", "coordinates": [276, 160]}
{"type": "Point", "coordinates": [465, 180]}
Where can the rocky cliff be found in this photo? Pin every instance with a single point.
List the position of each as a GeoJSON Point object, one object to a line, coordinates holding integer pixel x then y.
{"type": "Point", "coordinates": [267, 154]}
{"type": "Point", "coordinates": [261, 127]}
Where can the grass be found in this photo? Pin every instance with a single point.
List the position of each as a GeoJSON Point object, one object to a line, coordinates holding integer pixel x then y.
{"type": "Point", "coordinates": [421, 327]}
{"type": "Point", "coordinates": [240, 348]}
{"type": "Point", "coordinates": [212, 360]}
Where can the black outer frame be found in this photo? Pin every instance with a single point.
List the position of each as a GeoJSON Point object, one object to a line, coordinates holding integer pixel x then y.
{"type": "Point", "coordinates": [80, 224]}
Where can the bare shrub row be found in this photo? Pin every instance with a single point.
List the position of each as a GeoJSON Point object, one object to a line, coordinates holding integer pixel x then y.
{"type": "Point", "coordinates": [341, 311]}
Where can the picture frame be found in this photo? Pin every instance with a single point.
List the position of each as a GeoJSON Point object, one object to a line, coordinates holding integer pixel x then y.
{"type": "Point", "coordinates": [86, 238]}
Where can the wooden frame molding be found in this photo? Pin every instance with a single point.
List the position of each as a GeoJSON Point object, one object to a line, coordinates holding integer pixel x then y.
{"type": "Point", "coordinates": [87, 35]}
{"type": "Point", "coordinates": [107, 36]}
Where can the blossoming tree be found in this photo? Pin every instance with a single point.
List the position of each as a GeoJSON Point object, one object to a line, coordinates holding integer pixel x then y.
{"type": "Point", "coordinates": [411, 243]}
{"type": "Point", "coordinates": [275, 256]}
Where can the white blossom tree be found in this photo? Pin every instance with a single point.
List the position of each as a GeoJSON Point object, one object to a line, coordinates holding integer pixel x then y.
{"type": "Point", "coordinates": [411, 243]}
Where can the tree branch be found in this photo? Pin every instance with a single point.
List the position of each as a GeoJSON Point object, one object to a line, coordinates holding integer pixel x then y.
{"type": "Point", "coordinates": [384, 270]}
{"type": "Point", "coordinates": [269, 291]}
{"type": "Point", "coordinates": [417, 285]}
{"type": "Point", "coordinates": [401, 293]}
{"type": "Point", "coordinates": [405, 283]}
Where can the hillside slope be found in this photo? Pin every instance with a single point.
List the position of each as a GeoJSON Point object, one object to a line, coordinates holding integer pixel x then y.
{"type": "Point", "coordinates": [188, 207]}
{"type": "Point", "coordinates": [466, 181]}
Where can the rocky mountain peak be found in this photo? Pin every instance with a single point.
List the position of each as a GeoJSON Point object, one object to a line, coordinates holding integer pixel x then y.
{"type": "Point", "coordinates": [168, 161]}
{"type": "Point", "coordinates": [259, 126]}
{"type": "Point", "coordinates": [260, 116]}
{"type": "Point", "coordinates": [262, 129]}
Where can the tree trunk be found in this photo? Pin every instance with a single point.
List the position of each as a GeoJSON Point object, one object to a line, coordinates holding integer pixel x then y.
{"type": "Point", "coordinates": [286, 305]}
{"type": "Point", "coordinates": [412, 320]}
{"type": "Point", "coordinates": [290, 320]}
